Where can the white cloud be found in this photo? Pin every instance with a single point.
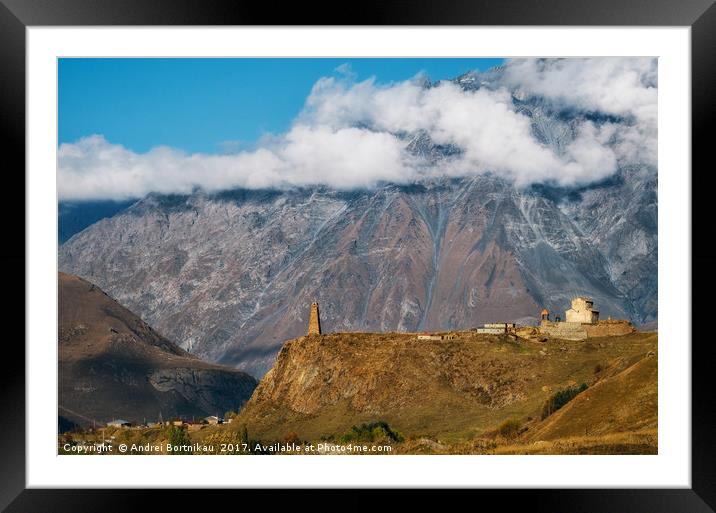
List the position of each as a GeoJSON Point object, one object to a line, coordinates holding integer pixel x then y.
{"type": "Point", "coordinates": [625, 87]}
{"type": "Point", "coordinates": [93, 168]}
{"type": "Point", "coordinates": [618, 86]}
{"type": "Point", "coordinates": [351, 134]}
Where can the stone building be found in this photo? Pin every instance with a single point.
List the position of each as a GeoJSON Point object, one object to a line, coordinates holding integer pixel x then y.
{"type": "Point", "coordinates": [582, 311]}
{"type": "Point", "coordinates": [429, 336]}
{"type": "Point", "coordinates": [496, 328]}
{"type": "Point", "coordinates": [489, 331]}
{"type": "Point", "coordinates": [582, 323]}
{"type": "Point", "coordinates": [119, 423]}
{"type": "Point", "coordinates": [438, 336]}
{"type": "Point", "coordinates": [314, 322]}
{"type": "Point", "coordinates": [504, 326]}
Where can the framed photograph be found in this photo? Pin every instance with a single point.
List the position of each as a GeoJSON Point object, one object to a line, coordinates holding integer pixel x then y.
{"type": "Point", "coordinates": [422, 248]}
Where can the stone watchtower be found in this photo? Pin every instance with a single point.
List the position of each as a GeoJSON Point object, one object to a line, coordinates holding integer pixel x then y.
{"type": "Point", "coordinates": [314, 322]}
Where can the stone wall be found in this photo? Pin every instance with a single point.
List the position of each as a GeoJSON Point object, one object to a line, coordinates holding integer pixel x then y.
{"type": "Point", "coordinates": [581, 331]}
{"type": "Point", "coordinates": [609, 328]}
{"type": "Point", "coordinates": [564, 330]}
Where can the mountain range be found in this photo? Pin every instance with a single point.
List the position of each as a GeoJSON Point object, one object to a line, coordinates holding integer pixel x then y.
{"type": "Point", "coordinates": [230, 275]}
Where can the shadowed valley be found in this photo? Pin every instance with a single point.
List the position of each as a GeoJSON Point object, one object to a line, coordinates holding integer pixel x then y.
{"type": "Point", "coordinates": [113, 365]}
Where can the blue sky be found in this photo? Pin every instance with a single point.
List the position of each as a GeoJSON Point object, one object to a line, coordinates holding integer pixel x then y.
{"type": "Point", "coordinates": [208, 105]}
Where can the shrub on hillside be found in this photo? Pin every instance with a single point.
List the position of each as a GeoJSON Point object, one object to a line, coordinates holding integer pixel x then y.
{"type": "Point", "coordinates": [372, 432]}
{"type": "Point", "coordinates": [177, 437]}
{"type": "Point", "coordinates": [233, 441]}
{"type": "Point", "coordinates": [560, 398]}
{"type": "Point", "coordinates": [509, 429]}
{"type": "Point", "coordinates": [292, 438]}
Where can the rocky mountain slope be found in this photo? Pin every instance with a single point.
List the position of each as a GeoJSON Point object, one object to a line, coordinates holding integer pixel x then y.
{"type": "Point", "coordinates": [230, 276]}
{"type": "Point", "coordinates": [113, 365]}
{"type": "Point", "coordinates": [454, 390]}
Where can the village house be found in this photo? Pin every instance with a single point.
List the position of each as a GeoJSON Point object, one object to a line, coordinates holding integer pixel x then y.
{"type": "Point", "coordinates": [429, 336]}
{"type": "Point", "coordinates": [119, 423]}
{"type": "Point", "coordinates": [437, 336]}
{"type": "Point", "coordinates": [194, 426]}
{"type": "Point", "coordinates": [495, 328]}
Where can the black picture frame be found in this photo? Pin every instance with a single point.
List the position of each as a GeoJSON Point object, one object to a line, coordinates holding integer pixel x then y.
{"type": "Point", "coordinates": [17, 15]}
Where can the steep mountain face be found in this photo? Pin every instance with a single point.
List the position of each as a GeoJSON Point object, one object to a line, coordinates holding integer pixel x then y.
{"type": "Point", "coordinates": [231, 276]}
{"type": "Point", "coordinates": [113, 365]}
{"type": "Point", "coordinates": [620, 219]}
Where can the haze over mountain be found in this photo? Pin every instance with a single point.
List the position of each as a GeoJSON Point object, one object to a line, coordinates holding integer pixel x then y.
{"type": "Point", "coordinates": [533, 198]}
{"type": "Point", "coordinates": [73, 217]}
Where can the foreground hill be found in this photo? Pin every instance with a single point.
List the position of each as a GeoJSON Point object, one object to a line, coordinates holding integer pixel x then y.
{"type": "Point", "coordinates": [457, 392]}
{"type": "Point", "coordinates": [114, 365]}
{"type": "Point", "coordinates": [624, 401]}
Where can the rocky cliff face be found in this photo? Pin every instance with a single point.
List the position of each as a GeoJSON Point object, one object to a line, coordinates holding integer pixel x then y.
{"type": "Point", "coordinates": [323, 385]}
{"type": "Point", "coordinates": [113, 365]}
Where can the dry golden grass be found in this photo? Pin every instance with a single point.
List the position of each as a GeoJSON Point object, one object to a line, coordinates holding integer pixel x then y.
{"type": "Point", "coordinates": [635, 442]}
{"type": "Point", "coordinates": [456, 390]}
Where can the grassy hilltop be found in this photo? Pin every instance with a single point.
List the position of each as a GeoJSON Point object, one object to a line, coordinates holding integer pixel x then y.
{"type": "Point", "coordinates": [444, 394]}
